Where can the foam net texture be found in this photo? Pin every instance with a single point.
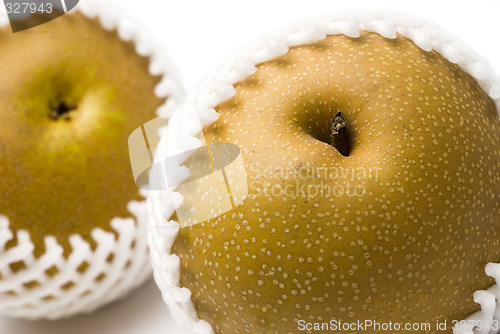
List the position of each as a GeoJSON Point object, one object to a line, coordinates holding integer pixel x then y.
{"type": "Point", "coordinates": [53, 286]}
{"type": "Point", "coordinates": [197, 111]}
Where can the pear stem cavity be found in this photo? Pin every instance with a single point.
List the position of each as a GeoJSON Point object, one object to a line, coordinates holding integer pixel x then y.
{"type": "Point", "coordinates": [339, 137]}
{"type": "Point", "coordinates": [61, 110]}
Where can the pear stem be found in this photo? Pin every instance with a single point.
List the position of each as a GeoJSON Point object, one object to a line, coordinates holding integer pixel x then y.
{"type": "Point", "coordinates": [62, 110]}
{"type": "Point", "coordinates": [339, 137]}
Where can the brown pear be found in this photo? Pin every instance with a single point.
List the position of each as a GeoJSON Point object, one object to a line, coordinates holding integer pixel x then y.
{"type": "Point", "coordinates": [71, 93]}
{"type": "Point", "coordinates": [396, 226]}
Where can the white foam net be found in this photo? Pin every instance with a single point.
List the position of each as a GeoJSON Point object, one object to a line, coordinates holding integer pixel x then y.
{"type": "Point", "coordinates": [198, 110]}
{"type": "Point", "coordinates": [32, 292]}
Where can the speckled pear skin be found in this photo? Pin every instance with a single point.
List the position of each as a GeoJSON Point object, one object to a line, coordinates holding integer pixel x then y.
{"type": "Point", "coordinates": [61, 177]}
{"type": "Point", "coordinates": [411, 247]}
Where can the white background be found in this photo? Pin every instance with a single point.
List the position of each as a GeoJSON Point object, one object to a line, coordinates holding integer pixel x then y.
{"type": "Point", "coordinates": [201, 33]}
